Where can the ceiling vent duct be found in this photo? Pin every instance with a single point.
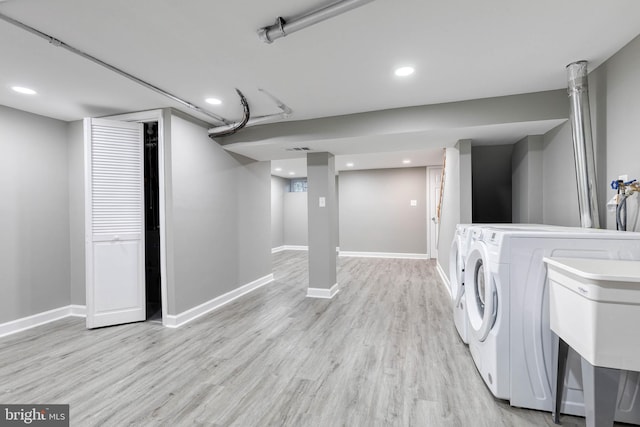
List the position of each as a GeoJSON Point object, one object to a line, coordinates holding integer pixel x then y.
{"type": "Point", "coordinates": [284, 27]}
{"type": "Point", "coordinates": [583, 152]}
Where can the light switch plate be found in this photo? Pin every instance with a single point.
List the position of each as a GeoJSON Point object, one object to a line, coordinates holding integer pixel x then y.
{"type": "Point", "coordinates": [322, 202]}
{"type": "Point", "coordinates": [414, 203]}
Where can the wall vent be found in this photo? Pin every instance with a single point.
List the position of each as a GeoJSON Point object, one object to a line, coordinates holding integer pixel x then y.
{"type": "Point", "coordinates": [298, 149]}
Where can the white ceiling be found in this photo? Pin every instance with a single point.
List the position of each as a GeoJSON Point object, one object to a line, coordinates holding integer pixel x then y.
{"type": "Point", "coordinates": [462, 49]}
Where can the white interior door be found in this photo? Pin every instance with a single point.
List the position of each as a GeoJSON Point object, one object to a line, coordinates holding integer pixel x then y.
{"type": "Point", "coordinates": [434, 177]}
{"type": "Point", "coordinates": [114, 206]}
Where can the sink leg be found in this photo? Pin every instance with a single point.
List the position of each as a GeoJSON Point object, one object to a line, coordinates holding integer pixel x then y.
{"type": "Point", "coordinates": [561, 349]}
{"type": "Point", "coordinates": [600, 394]}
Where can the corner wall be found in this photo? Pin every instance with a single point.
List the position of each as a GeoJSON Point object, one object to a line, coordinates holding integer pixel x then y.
{"type": "Point", "coordinates": [526, 182]}
{"type": "Point", "coordinates": [75, 153]}
{"type": "Point", "coordinates": [34, 215]}
{"type": "Point", "coordinates": [220, 218]}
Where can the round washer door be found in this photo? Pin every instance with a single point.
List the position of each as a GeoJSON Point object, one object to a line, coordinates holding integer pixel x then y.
{"type": "Point", "coordinates": [456, 272]}
{"type": "Point", "coordinates": [480, 296]}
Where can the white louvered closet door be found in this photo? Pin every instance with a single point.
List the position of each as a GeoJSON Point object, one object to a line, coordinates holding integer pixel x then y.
{"type": "Point", "coordinates": [114, 201]}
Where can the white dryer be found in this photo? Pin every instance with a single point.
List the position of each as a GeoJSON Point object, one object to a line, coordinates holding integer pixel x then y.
{"type": "Point", "coordinates": [507, 303]}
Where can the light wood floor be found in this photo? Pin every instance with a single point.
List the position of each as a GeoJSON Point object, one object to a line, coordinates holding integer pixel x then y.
{"type": "Point", "coordinates": [383, 352]}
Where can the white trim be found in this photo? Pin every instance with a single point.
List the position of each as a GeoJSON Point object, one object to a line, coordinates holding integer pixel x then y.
{"type": "Point", "coordinates": [443, 277]}
{"type": "Point", "coordinates": [383, 255]}
{"type": "Point", "coordinates": [295, 248]}
{"type": "Point", "coordinates": [323, 292]}
{"type": "Point", "coordinates": [289, 248]}
{"type": "Point", "coordinates": [24, 323]}
{"type": "Point", "coordinates": [78, 310]}
{"type": "Point", "coordinates": [175, 321]}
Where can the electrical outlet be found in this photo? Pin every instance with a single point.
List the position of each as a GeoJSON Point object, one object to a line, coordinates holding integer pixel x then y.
{"type": "Point", "coordinates": [624, 178]}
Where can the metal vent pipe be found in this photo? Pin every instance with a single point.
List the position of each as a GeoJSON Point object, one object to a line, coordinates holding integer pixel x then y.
{"type": "Point", "coordinates": [580, 118]}
{"type": "Point", "coordinates": [283, 27]}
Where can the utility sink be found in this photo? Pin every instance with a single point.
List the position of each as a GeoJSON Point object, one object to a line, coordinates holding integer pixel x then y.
{"type": "Point", "coordinates": [595, 308]}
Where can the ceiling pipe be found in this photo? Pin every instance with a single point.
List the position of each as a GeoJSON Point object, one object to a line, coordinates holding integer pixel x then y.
{"type": "Point", "coordinates": [220, 131]}
{"type": "Point", "coordinates": [580, 118]}
{"type": "Point", "coordinates": [231, 129]}
{"type": "Point", "coordinates": [85, 55]}
{"type": "Point", "coordinates": [284, 27]}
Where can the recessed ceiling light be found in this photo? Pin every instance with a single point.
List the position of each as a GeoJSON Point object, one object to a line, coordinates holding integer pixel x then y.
{"type": "Point", "coordinates": [24, 90]}
{"type": "Point", "coordinates": [278, 169]}
{"type": "Point", "coordinates": [292, 173]}
{"type": "Point", "coordinates": [406, 161]}
{"type": "Point", "coordinates": [213, 101]}
{"type": "Point", "coordinates": [404, 71]}
{"type": "Point", "coordinates": [349, 165]}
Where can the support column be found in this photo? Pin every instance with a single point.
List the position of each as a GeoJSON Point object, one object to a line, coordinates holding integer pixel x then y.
{"type": "Point", "coordinates": [323, 224]}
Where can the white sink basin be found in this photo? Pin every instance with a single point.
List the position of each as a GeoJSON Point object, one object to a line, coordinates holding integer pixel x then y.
{"type": "Point", "coordinates": [595, 308]}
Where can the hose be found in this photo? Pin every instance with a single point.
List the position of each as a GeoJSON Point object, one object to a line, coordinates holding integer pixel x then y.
{"type": "Point", "coordinates": [621, 214]}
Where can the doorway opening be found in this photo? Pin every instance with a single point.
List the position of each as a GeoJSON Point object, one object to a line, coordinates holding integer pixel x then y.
{"type": "Point", "coordinates": [153, 282]}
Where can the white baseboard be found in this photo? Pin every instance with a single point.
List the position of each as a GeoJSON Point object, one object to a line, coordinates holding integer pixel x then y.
{"type": "Point", "coordinates": [323, 292]}
{"type": "Point", "coordinates": [74, 310]}
{"type": "Point", "coordinates": [392, 255]}
{"type": "Point", "coordinates": [295, 248]}
{"type": "Point", "coordinates": [39, 319]}
{"type": "Point", "coordinates": [78, 310]}
{"type": "Point", "coordinates": [175, 321]}
{"type": "Point", "coordinates": [443, 277]}
{"type": "Point", "coordinates": [289, 248]}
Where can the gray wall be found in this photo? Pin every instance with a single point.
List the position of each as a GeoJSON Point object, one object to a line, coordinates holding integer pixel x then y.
{"type": "Point", "coordinates": [253, 185]}
{"type": "Point", "coordinates": [560, 202]}
{"type": "Point", "coordinates": [615, 86]}
{"type": "Point", "coordinates": [209, 187]}
{"type": "Point", "coordinates": [278, 189]}
{"type": "Point", "coordinates": [614, 92]}
{"type": "Point", "coordinates": [34, 215]}
{"type": "Point", "coordinates": [295, 219]}
{"type": "Point", "coordinates": [491, 174]}
{"type": "Point", "coordinates": [526, 182]}
{"type": "Point", "coordinates": [375, 213]}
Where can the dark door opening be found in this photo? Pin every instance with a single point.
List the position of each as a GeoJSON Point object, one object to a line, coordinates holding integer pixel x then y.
{"type": "Point", "coordinates": [152, 222]}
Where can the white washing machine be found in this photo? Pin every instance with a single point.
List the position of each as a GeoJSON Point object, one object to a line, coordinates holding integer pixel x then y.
{"type": "Point", "coordinates": [458, 255]}
{"type": "Point", "coordinates": [457, 259]}
{"type": "Point", "coordinates": [507, 302]}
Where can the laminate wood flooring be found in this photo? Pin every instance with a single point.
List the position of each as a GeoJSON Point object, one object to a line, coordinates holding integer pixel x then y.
{"type": "Point", "coordinates": [383, 352]}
